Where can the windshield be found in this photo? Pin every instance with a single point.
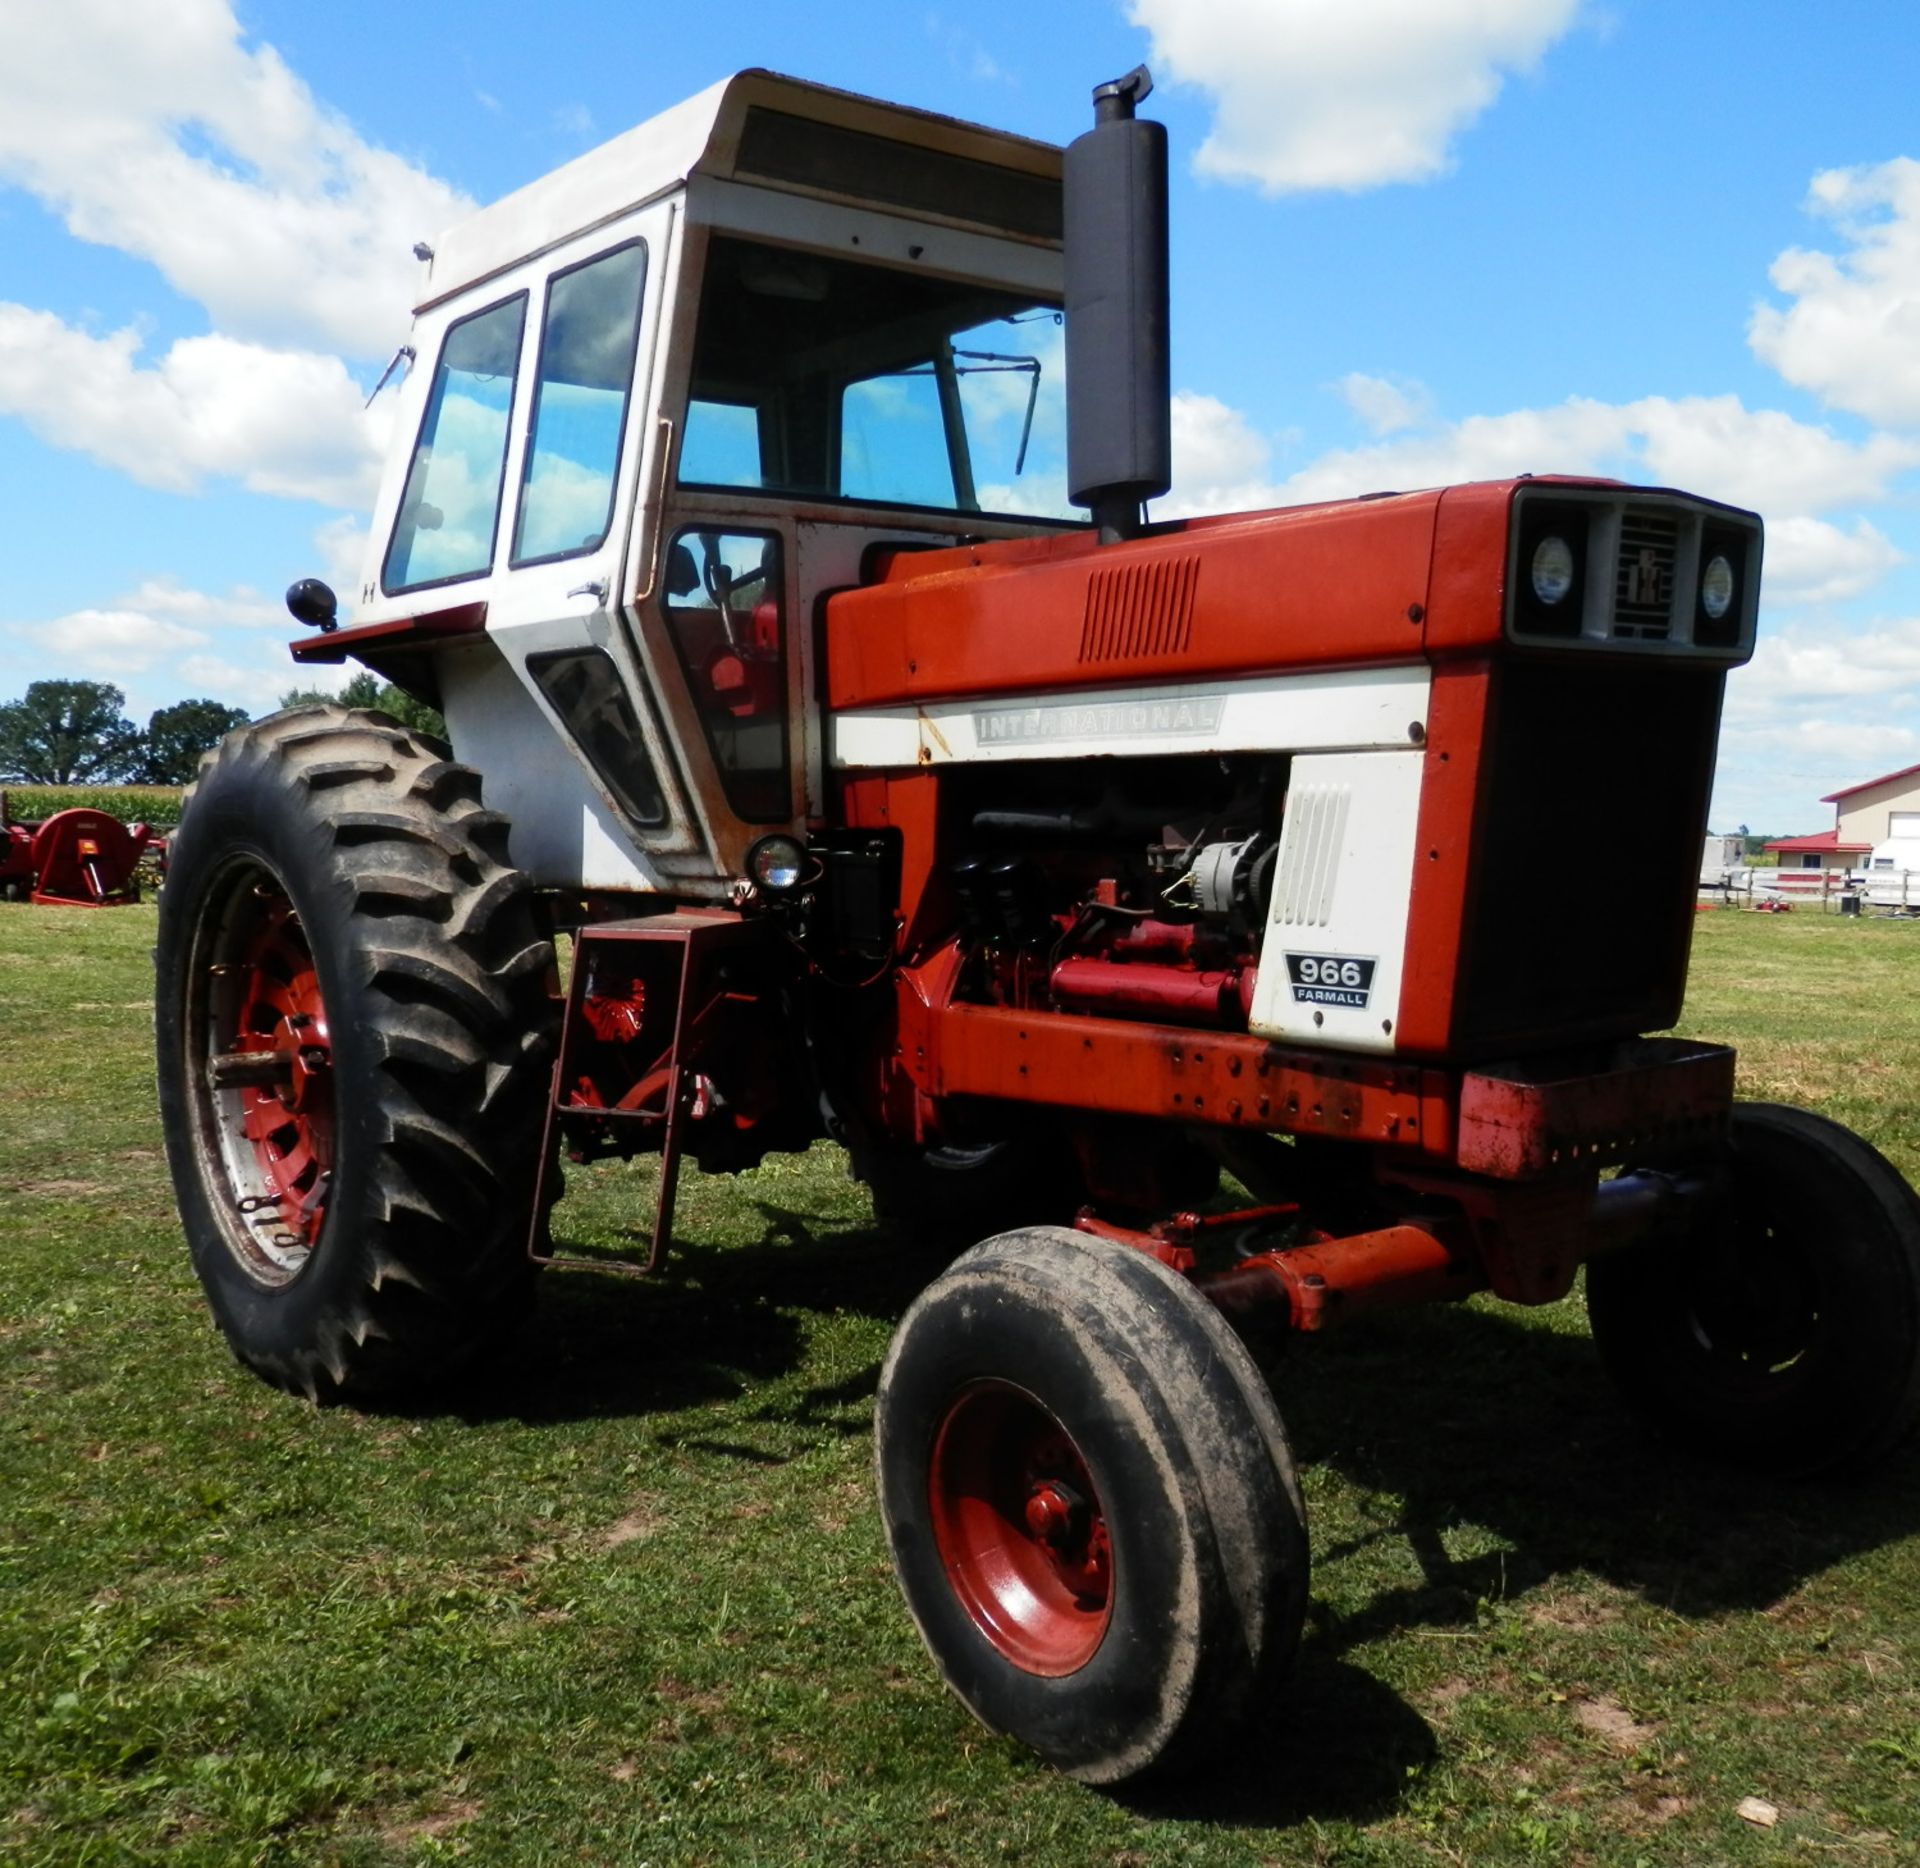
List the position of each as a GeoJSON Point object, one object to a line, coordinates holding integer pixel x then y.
{"type": "Point", "coordinates": [837, 380]}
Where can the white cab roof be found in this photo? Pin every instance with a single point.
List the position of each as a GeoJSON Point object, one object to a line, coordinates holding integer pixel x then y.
{"type": "Point", "coordinates": [704, 136]}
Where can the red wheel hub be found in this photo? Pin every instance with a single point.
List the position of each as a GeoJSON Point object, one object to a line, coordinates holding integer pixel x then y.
{"type": "Point", "coordinates": [290, 1124]}
{"type": "Point", "coordinates": [1020, 1530]}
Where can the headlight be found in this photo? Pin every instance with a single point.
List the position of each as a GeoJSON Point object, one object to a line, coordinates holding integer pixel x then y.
{"type": "Point", "coordinates": [1716, 588]}
{"type": "Point", "coordinates": [775, 863]}
{"type": "Point", "coordinates": [1552, 569]}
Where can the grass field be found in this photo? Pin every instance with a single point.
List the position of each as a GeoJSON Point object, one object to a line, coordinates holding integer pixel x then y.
{"type": "Point", "coordinates": [625, 1601]}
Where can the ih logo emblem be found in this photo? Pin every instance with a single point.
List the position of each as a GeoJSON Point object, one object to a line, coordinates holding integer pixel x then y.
{"type": "Point", "coordinates": [1644, 581]}
{"type": "Point", "coordinates": [1330, 979]}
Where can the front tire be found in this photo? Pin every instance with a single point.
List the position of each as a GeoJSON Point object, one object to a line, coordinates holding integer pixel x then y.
{"type": "Point", "coordinates": [342, 930]}
{"type": "Point", "coordinates": [1785, 1333]}
{"type": "Point", "coordinates": [1091, 1504]}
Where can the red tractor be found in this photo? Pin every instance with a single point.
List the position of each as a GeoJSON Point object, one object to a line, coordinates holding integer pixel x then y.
{"type": "Point", "coordinates": [1050, 862]}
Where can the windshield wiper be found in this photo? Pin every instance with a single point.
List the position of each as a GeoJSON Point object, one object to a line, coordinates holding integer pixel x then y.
{"type": "Point", "coordinates": [990, 361]}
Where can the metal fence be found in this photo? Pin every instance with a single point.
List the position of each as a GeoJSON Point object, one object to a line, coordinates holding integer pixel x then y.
{"type": "Point", "coordinates": [1830, 891]}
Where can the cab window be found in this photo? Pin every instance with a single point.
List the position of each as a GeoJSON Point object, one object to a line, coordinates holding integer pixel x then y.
{"type": "Point", "coordinates": [580, 392]}
{"type": "Point", "coordinates": [450, 507]}
{"type": "Point", "coordinates": [587, 693]}
{"type": "Point", "coordinates": [723, 601]}
{"type": "Point", "coordinates": [894, 442]}
{"type": "Point", "coordinates": [836, 379]}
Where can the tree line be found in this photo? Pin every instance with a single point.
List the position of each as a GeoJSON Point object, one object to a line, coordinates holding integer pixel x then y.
{"type": "Point", "coordinates": [78, 733]}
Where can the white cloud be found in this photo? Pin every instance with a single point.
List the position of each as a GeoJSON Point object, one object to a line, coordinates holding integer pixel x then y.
{"type": "Point", "coordinates": [1214, 446]}
{"type": "Point", "coordinates": [1852, 331]}
{"type": "Point", "coordinates": [1773, 773]}
{"type": "Point", "coordinates": [156, 130]}
{"type": "Point", "coordinates": [1761, 457]}
{"type": "Point", "coordinates": [1816, 709]}
{"type": "Point", "coordinates": [1384, 405]}
{"type": "Point", "coordinates": [342, 547]}
{"type": "Point", "coordinates": [113, 642]}
{"type": "Point", "coordinates": [966, 53]}
{"type": "Point", "coordinates": [1351, 95]}
{"type": "Point", "coordinates": [1705, 444]}
{"type": "Point", "coordinates": [241, 605]}
{"type": "Point", "coordinates": [1811, 561]}
{"type": "Point", "coordinates": [1802, 664]}
{"type": "Point", "coordinates": [256, 686]}
{"type": "Point", "coordinates": [279, 421]}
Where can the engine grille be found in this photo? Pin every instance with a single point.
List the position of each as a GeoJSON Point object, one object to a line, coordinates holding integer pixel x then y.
{"type": "Point", "coordinates": [1644, 581]}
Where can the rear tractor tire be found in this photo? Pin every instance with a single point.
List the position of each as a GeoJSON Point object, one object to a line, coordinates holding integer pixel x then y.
{"type": "Point", "coordinates": [342, 930]}
{"type": "Point", "coordinates": [1785, 1333]}
{"type": "Point", "coordinates": [1091, 1504]}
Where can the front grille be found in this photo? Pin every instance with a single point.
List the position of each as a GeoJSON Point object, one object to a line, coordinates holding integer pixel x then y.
{"type": "Point", "coordinates": [1643, 583]}
{"type": "Point", "coordinates": [1636, 585]}
{"type": "Point", "coordinates": [1588, 760]}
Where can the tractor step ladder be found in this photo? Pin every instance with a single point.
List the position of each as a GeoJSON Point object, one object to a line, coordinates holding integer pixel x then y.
{"type": "Point", "coordinates": [637, 1001]}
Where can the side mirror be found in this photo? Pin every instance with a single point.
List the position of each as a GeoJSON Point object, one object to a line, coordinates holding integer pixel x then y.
{"type": "Point", "coordinates": [313, 603]}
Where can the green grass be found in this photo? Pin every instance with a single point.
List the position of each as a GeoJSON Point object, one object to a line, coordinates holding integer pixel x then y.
{"type": "Point", "coordinates": [625, 1599]}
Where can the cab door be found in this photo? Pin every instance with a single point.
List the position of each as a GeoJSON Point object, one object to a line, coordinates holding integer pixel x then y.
{"type": "Point", "coordinates": [580, 451]}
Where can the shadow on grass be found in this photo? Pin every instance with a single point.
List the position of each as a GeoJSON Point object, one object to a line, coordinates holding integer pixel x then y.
{"type": "Point", "coordinates": [715, 1324]}
{"type": "Point", "coordinates": [1338, 1745]}
{"type": "Point", "coordinates": [1471, 1417]}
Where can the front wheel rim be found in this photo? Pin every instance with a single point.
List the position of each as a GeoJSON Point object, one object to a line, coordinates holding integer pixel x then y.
{"type": "Point", "coordinates": [1020, 1529]}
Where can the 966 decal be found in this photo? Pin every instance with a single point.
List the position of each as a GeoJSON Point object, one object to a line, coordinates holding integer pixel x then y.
{"type": "Point", "coordinates": [1330, 979]}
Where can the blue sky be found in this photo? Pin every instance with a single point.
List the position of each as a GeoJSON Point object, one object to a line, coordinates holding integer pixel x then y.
{"type": "Point", "coordinates": [1415, 241]}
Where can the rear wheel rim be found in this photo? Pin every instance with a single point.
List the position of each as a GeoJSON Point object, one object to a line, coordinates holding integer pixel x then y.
{"type": "Point", "coordinates": [274, 1144]}
{"type": "Point", "coordinates": [1020, 1529]}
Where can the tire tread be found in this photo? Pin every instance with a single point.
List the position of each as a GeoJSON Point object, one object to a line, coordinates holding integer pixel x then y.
{"type": "Point", "coordinates": [461, 1027]}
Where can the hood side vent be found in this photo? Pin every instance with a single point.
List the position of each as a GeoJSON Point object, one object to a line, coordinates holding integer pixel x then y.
{"type": "Point", "coordinates": [1136, 610]}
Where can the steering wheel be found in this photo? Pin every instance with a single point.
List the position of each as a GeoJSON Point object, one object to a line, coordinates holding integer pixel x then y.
{"type": "Point", "coordinates": [723, 586]}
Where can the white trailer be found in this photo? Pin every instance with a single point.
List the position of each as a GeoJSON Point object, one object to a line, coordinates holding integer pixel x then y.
{"type": "Point", "coordinates": [1892, 874]}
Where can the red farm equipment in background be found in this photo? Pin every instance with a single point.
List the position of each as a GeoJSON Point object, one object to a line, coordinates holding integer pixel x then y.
{"type": "Point", "coordinates": [78, 858]}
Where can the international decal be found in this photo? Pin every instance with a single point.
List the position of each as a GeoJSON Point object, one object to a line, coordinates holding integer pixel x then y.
{"type": "Point", "coordinates": [1644, 579]}
{"type": "Point", "coordinates": [1035, 724]}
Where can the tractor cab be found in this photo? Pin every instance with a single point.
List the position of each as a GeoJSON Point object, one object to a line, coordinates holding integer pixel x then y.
{"type": "Point", "coordinates": [664, 400]}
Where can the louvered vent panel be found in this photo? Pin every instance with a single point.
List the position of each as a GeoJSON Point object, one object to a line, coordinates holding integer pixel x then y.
{"type": "Point", "coordinates": [1644, 578]}
{"type": "Point", "coordinates": [1310, 855]}
{"type": "Point", "coordinates": [1138, 610]}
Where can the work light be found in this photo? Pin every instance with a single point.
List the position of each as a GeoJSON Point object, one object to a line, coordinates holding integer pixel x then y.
{"type": "Point", "coordinates": [776, 863]}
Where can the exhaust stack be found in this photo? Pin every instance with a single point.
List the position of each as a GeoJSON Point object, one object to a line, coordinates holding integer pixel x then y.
{"type": "Point", "coordinates": [1119, 383]}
